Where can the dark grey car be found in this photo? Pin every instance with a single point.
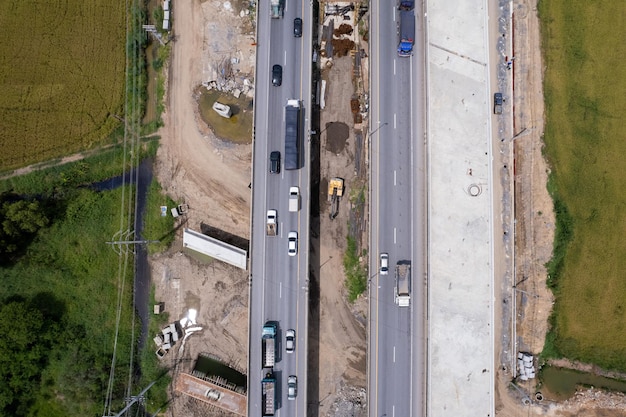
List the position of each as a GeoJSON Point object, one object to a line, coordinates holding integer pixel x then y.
{"type": "Point", "coordinates": [277, 75]}
{"type": "Point", "coordinates": [497, 103]}
{"type": "Point", "coordinates": [275, 162]}
{"type": "Point", "coordinates": [297, 27]}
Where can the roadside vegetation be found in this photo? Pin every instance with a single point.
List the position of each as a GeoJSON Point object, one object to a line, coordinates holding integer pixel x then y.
{"type": "Point", "coordinates": [59, 295]}
{"type": "Point", "coordinates": [355, 258]}
{"type": "Point", "coordinates": [56, 267]}
{"type": "Point", "coordinates": [156, 227]}
{"type": "Point", "coordinates": [62, 72]}
{"type": "Point", "coordinates": [355, 270]}
{"type": "Point", "coordinates": [585, 80]}
{"type": "Point", "coordinates": [62, 283]}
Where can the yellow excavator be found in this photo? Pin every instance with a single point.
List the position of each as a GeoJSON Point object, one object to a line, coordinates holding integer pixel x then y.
{"type": "Point", "coordinates": [335, 192]}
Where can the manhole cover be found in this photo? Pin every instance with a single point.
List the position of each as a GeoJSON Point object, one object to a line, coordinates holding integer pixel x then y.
{"type": "Point", "coordinates": [474, 190]}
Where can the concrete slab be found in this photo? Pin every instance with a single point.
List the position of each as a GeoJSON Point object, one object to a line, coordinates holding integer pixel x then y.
{"type": "Point", "coordinates": [215, 249]}
{"type": "Point", "coordinates": [461, 349]}
{"type": "Point", "coordinates": [212, 394]}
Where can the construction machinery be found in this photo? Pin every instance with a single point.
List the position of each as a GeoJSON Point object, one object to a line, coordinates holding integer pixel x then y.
{"type": "Point", "coordinates": [335, 192]}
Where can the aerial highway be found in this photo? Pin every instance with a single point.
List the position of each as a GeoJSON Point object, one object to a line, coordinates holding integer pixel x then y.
{"type": "Point", "coordinates": [279, 268]}
{"type": "Point", "coordinates": [396, 332]}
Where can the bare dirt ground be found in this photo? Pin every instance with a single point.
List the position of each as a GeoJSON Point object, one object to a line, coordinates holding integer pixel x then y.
{"type": "Point", "coordinates": [212, 177]}
{"type": "Point", "coordinates": [342, 353]}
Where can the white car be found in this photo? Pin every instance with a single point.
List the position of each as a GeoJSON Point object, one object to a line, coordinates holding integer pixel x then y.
{"type": "Point", "coordinates": [290, 344]}
{"type": "Point", "coordinates": [384, 264]}
{"type": "Point", "coordinates": [292, 387]}
{"type": "Point", "coordinates": [293, 243]}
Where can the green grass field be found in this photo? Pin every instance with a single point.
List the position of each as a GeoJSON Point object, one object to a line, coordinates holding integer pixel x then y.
{"type": "Point", "coordinates": [585, 81]}
{"type": "Point", "coordinates": [62, 70]}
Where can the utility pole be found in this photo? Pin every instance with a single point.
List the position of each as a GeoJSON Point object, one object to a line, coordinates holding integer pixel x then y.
{"type": "Point", "coordinates": [126, 240]}
{"type": "Point", "coordinates": [152, 29]}
{"type": "Point", "coordinates": [133, 399]}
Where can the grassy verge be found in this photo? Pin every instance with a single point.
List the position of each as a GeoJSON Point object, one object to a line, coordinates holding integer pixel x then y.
{"type": "Point", "coordinates": [157, 227]}
{"type": "Point", "coordinates": [104, 164]}
{"type": "Point", "coordinates": [584, 83]}
{"type": "Point", "coordinates": [355, 270]}
{"type": "Point", "coordinates": [354, 265]}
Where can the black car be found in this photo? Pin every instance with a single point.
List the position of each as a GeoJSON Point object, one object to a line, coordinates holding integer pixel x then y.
{"type": "Point", "coordinates": [297, 27]}
{"type": "Point", "coordinates": [275, 162]}
{"type": "Point", "coordinates": [277, 75]}
{"type": "Point", "coordinates": [497, 103]}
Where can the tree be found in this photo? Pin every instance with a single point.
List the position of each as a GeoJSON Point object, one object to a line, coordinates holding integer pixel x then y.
{"type": "Point", "coordinates": [22, 217]}
{"type": "Point", "coordinates": [22, 356]}
{"type": "Point", "coordinates": [19, 221]}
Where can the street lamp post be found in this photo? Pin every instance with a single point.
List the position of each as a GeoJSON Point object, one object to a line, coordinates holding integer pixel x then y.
{"type": "Point", "coordinates": [378, 128]}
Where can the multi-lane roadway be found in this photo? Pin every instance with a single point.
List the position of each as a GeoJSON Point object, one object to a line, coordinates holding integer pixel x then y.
{"type": "Point", "coordinates": [279, 282]}
{"type": "Point", "coordinates": [396, 334]}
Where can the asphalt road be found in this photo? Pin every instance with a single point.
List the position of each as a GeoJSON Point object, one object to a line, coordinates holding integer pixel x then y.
{"type": "Point", "coordinates": [279, 283]}
{"type": "Point", "coordinates": [398, 201]}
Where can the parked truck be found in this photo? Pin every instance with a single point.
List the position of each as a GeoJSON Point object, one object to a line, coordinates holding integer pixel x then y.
{"type": "Point", "coordinates": [268, 343]}
{"type": "Point", "coordinates": [268, 390]}
{"type": "Point", "coordinates": [403, 284]}
{"type": "Point", "coordinates": [293, 135]}
{"type": "Point", "coordinates": [276, 9]}
{"type": "Point", "coordinates": [272, 225]}
{"type": "Point", "coordinates": [407, 32]}
{"type": "Point", "coordinates": [294, 199]}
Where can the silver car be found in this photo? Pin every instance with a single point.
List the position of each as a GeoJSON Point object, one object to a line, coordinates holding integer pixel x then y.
{"type": "Point", "coordinates": [290, 344]}
{"type": "Point", "coordinates": [292, 387]}
{"type": "Point", "coordinates": [384, 264]}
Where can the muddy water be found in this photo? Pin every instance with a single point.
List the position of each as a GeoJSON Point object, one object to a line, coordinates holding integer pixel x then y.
{"type": "Point", "coordinates": [143, 178]}
{"type": "Point", "coordinates": [238, 128]}
{"type": "Point", "coordinates": [561, 383]}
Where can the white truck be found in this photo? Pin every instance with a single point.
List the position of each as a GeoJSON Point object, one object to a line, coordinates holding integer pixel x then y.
{"type": "Point", "coordinates": [294, 199]}
{"type": "Point", "coordinates": [276, 9]}
{"type": "Point", "coordinates": [272, 225]}
{"type": "Point", "coordinates": [403, 284]}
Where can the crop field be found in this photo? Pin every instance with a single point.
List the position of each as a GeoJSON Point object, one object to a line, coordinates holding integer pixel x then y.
{"type": "Point", "coordinates": [62, 67]}
{"type": "Point", "coordinates": [585, 80]}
